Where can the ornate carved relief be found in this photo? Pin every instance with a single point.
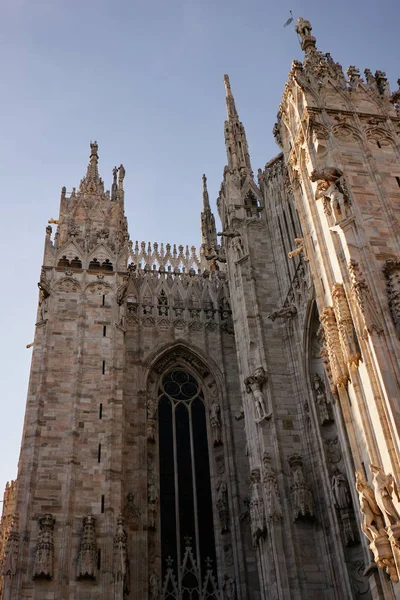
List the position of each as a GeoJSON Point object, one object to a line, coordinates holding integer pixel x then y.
{"type": "Point", "coordinates": [154, 586]}
{"type": "Point", "coordinates": [364, 299]}
{"type": "Point", "coordinates": [287, 312]}
{"type": "Point", "coordinates": [337, 365]}
{"type": "Point", "coordinates": [215, 422]}
{"type": "Point", "coordinates": [44, 554]}
{"type": "Point", "coordinates": [300, 493]}
{"type": "Point", "coordinates": [153, 498]}
{"type": "Point", "coordinates": [131, 511]}
{"type": "Point", "coordinates": [345, 326]}
{"type": "Point", "coordinates": [229, 588]}
{"type": "Point", "coordinates": [87, 555]}
{"type": "Point", "coordinates": [373, 527]}
{"type": "Point", "coordinates": [222, 505]}
{"type": "Point", "coordinates": [254, 385]}
{"type": "Point", "coordinates": [274, 504]}
{"type": "Point", "coordinates": [9, 562]}
{"type": "Point", "coordinates": [256, 507]}
{"type": "Point", "coordinates": [392, 272]}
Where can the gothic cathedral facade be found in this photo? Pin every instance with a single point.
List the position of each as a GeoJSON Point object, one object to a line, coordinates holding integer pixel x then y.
{"type": "Point", "coordinates": [224, 425]}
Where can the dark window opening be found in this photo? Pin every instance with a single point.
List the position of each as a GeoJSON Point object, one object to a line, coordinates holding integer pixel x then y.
{"type": "Point", "coordinates": [107, 265]}
{"type": "Point", "coordinates": [99, 453]}
{"type": "Point", "coordinates": [104, 300]}
{"type": "Point", "coordinates": [101, 411]}
{"type": "Point", "coordinates": [398, 181]}
{"type": "Point", "coordinates": [104, 367]}
{"type": "Point", "coordinates": [94, 265]}
{"type": "Point", "coordinates": [76, 263]}
{"type": "Point", "coordinates": [104, 331]}
{"type": "Point", "coordinates": [98, 559]}
{"type": "Point", "coordinates": [379, 144]}
{"type": "Point", "coordinates": [102, 503]}
{"type": "Point", "coordinates": [63, 263]}
{"type": "Point", "coordinates": [185, 486]}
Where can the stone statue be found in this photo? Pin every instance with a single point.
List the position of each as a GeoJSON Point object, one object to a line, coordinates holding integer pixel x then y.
{"type": "Point", "coordinates": [229, 588]}
{"type": "Point", "coordinates": [274, 506]}
{"type": "Point", "coordinates": [319, 387]}
{"type": "Point", "coordinates": [222, 505]}
{"type": "Point", "coordinates": [385, 486]}
{"type": "Point", "coordinates": [152, 497]}
{"type": "Point", "coordinates": [256, 507]}
{"type": "Point", "coordinates": [154, 587]}
{"type": "Point", "coordinates": [301, 497]}
{"type": "Point", "coordinates": [254, 385]}
{"type": "Point", "coordinates": [215, 423]}
{"type": "Point", "coordinates": [287, 312]}
{"type": "Point", "coordinates": [44, 554]}
{"type": "Point", "coordinates": [303, 28]}
{"type": "Point", "coordinates": [372, 524]}
{"type": "Point", "coordinates": [340, 490]}
{"type": "Point", "coordinates": [120, 557]}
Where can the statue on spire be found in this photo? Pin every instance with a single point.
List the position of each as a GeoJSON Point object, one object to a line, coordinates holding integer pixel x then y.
{"type": "Point", "coordinates": [303, 29]}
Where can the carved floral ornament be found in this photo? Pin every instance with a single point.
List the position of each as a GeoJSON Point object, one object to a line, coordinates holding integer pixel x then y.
{"type": "Point", "coordinates": [392, 272]}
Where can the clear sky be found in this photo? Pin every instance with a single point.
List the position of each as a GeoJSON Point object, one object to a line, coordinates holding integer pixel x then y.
{"type": "Point", "coordinates": [144, 79]}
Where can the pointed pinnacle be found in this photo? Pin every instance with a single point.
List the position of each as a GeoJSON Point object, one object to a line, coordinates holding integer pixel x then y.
{"type": "Point", "coordinates": [230, 102]}
{"type": "Point", "coordinates": [206, 199]}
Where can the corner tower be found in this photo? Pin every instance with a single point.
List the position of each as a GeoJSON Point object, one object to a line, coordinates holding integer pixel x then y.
{"type": "Point", "coordinates": [340, 137]}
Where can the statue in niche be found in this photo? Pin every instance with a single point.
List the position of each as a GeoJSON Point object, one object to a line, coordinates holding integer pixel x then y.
{"type": "Point", "coordinates": [332, 188]}
{"type": "Point", "coordinates": [152, 497]}
{"type": "Point", "coordinates": [319, 387]}
{"type": "Point", "coordinates": [154, 587]}
{"type": "Point", "coordinates": [222, 505]}
{"type": "Point", "coordinates": [274, 507]}
{"type": "Point", "coordinates": [373, 525]}
{"type": "Point", "coordinates": [215, 423]}
{"type": "Point", "coordinates": [44, 554]}
{"type": "Point", "coordinates": [254, 385]}
{"type": "Point", "coordinates": [302, 500]}
{"type": "Point", "coordinates": [385, 486]}
{"type": "Point", "coordinates": [256, 507]}
{"type": "Point", "coordinates": [340, 490]}
{"type": "Point", "coordinates": [11, 548]}
{"type": "Point", "coordinates": [229, 588]}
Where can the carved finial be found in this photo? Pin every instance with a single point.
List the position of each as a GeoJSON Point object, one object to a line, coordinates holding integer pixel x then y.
{"type": "Point", "coordinates": [206, 199]}
{"type": "Point", "coordinates": [121, 176]}
{"type": "Point", "coordinates": [230, 102]}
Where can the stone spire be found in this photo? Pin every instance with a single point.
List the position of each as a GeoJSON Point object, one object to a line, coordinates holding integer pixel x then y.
{"type": "Point", "coordinates": [208, 229]}
{"type": "Point", "coordinates": [92, 182]}
{"type": "Point", "coordinates": [235, 136]}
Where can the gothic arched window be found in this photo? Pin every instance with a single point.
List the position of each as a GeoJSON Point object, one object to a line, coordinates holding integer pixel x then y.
{"type": "Point", "coordinates": [187, 529]}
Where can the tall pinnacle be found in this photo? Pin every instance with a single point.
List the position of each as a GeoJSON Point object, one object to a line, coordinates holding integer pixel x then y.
{"type": "Point", "coordinates": [92, 182]}
{"type": "Point", "coordinates": [235, 136]}
{"type": "Point", "coordinates": [230, 101]}
{"type": "Point", "coordinates": [206, 199]}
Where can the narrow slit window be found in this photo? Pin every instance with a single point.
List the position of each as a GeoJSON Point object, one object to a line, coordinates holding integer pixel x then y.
{"type": "Point", "coordinates": [98, 559]}
{"type": "Point", "coordinates": [379, 144]}
{"type": "Point", "coordinates": [102, 503]}
{"type": "Point", "coordinates": [398, 180]}
{"type": "Point", "coordinates": [103, 302]}
{"type": "Point", "coordinates": [99, 454]}
{"type": "Point", "coordinates": [104, 367]}
{"type": "Point", "coordinates": [104, 331]}
{"type": "Point", "coordinates": [101, 411]}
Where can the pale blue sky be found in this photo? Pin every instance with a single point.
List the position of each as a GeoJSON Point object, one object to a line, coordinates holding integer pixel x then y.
{"type": "Point", "coordinates": [145, 80]}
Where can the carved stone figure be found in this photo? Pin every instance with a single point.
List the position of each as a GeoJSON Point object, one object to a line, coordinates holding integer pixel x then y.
{"type": "Point", "coordinates": [87, 556]}
{"type": "Point", "coordinates": [215, 423]}
{"type": "Point", "coordinates": [365, 300]}
{"type": "Point", "coordinates": [229, 588]}
{"type": "Point", "coordinates": [222, 505]}
{"type": "Point", "coordinates": [256, 507]}
{"type": "Point", "coordinates": [154, 587]}
{"type": "Point", "coordinates": [340, 490]}
{"type": "Point", "coordinates": [299, 250]}
{"type": "Point", "coordinates": [152, 497]}
{"type": "Point", "coordinates": [372, 524]}
{"type": "Point", "coordinates": [384, 487]}
{"type": "Point", "coordinates": [9, 566]}
{"type": "Point", "coordinates": [301, 497]}
{"type": "Point", "coordinates": [120, 557]}
{"type": "Point", "coordinates": [254, 385]}
{"type": "Point", "coordinates": [392, 272]}
{"type": "Point", "coordinates": [274, 506]}
{"type": "Point", "coordinates": [319, 387]}
{"type": "Point", "coordinates": [287, 312]}
{"type": "Point", "coordinates": [44, 554]}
